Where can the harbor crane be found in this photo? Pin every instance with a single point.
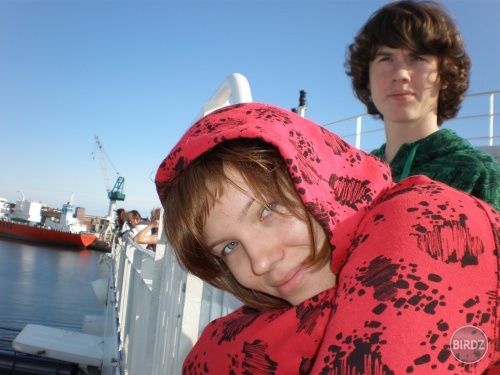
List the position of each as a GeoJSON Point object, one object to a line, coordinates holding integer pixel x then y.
{"type": "Point", "coordinates": [115, 193]}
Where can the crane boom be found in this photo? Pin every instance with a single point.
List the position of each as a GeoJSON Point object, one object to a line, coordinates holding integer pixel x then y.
{"type": "Point", "coordinates": [115, 193]}
{"type": "Point", "coordinates": [102, 161]}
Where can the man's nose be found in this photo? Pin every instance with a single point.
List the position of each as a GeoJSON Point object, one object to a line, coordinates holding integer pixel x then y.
{"type": "Point", "coordinates": [400, 70]}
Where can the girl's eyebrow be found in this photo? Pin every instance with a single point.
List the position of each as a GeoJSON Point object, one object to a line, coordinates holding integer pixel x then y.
{"type": "Point", "coordinates": [247, 206]}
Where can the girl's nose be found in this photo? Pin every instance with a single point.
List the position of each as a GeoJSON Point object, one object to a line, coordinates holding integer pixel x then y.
{"type": "Point", "coordinates": [263, 254]}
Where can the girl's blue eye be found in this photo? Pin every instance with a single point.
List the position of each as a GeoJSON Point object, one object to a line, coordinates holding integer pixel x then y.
{"type": "Point", "coordinates": [270, 207]}
{"type": "Point", "coordinates": [229, 248]}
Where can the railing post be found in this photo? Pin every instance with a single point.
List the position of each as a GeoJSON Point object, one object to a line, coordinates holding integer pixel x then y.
{"type": "Point", "coordinates": [358, 132]}
{"type": "Point", "coordinates": [492, 113]}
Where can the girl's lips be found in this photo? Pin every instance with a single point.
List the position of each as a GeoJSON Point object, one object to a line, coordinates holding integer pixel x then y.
{"type": "Point", "coordinates": [291, 282]}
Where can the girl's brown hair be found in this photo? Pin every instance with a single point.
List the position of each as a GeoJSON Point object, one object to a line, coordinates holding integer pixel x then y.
{"type": "Point", "coordinates": [193, 191]}
{"type": "Point", "coordinates": [421, 27]}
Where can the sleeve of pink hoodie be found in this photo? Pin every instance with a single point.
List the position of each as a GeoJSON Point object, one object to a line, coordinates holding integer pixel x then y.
{"type": "Point", "coordinates": [411, 281]}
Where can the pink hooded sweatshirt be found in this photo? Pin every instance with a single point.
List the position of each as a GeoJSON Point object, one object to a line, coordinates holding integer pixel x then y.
{"type": "Point", "coordinates": [415, 262]}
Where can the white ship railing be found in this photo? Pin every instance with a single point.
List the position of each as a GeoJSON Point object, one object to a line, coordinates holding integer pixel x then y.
{"type": "Point", "coordinates": [475, 123]}
{"type": "Point", "coordinates": [234, 88]}
{"type": "Point", "coordinates": [157, 311]}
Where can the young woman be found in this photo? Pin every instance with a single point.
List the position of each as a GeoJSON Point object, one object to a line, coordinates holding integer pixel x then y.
{"type": "Point", "coordinates": [341, 270]}
{"type": "Point", "coordinates": [409, 66]}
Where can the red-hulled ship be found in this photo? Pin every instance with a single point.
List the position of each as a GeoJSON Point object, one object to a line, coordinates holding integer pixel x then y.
{"type": "Point", "coordinates": [25, 224]}
{"type": "Point", "coordinates": [25, 232]}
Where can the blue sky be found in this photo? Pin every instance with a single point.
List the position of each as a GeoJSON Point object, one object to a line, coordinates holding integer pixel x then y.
{"type": "Point", "coordinates": [136, 73]}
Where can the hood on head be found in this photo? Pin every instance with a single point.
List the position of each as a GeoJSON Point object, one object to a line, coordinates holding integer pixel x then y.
{"type": "Point", "coordinates": [337, 183]}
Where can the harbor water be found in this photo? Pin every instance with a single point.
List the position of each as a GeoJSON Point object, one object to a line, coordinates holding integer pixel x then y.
{"type": "Point", "coordinates": [46, 285]}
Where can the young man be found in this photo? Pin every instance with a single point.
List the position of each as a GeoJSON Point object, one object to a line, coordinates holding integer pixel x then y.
{"type": "Point", "coordinates": [409, 66]}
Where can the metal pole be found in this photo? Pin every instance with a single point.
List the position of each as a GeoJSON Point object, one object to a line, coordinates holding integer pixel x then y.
{"type": "Point", "coordinates": [358, 132]}
{"type": "Point", "coordinates": [492, 112]}
{"type": "Point", "coordinates": [301, 110]}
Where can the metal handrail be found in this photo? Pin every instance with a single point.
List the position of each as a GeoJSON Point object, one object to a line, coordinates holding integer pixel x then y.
{"type": "Point", "coordinates": [359, 133]}
{"type": "Point", "coordinates": [234, 87]}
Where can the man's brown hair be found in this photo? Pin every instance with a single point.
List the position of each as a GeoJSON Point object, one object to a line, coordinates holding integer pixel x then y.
{"type": "Point", "coordinates": [422, 27]}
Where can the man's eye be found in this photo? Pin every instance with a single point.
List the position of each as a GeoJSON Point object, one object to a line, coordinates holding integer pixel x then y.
{"type": "Point", "coordinates": [381, 58]}
{"type": "Point", "coordinates": [423, 57]}
{"type": "Point", "coordinates": [229, 248]}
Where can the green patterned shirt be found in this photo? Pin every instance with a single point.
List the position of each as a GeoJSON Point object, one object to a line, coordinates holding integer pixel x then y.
{"type": "Point", "coordinates": [446, 157]}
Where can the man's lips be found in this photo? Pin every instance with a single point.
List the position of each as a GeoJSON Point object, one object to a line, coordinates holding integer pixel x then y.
{"type": "Point", "coordinates": [401, 94]}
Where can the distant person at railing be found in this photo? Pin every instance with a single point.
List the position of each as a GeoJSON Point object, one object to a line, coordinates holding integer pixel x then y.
{"type": "Point", "coordinates": [409, 66]}
{"type": "Point", "coordinates": [121, 224]}
{"type": "Point", "coordinates": [136, 223]}
{"type": "Point", "coordinates": [341, 270]}
{"type": "Point", "coordinates": [149, 235]}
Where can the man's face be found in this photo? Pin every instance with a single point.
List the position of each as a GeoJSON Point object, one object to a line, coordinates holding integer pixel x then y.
{"type": "Point", "coordinates": [132, 221]}
{"type": "Point", "coordinates": [122, 217]}
{"type": "Point", "coordinates": [405, 86]}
